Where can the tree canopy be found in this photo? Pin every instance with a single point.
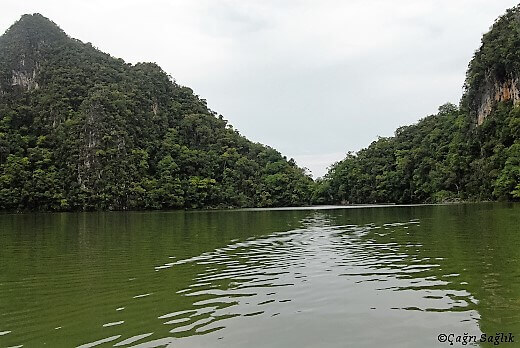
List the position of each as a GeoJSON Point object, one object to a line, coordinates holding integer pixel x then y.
{"type": "Point", "coordinates": [465, 152]}
{"type": "Point", "coordinates": [81, 130]}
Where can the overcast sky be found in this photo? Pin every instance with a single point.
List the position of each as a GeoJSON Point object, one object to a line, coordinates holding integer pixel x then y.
{"type": "Point", "coordinates": [313, 79]}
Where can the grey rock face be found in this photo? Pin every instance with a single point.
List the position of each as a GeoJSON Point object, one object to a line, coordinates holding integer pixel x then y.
{"type": "Point", "coordinates": [496, 91]}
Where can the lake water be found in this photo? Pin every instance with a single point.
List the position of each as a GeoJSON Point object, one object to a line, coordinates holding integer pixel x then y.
{"type": "Point", "coordinates": [393, 276]}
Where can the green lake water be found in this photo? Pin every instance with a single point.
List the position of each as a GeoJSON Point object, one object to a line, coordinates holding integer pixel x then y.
{"type": "Point", "coordinates": [394, 276]}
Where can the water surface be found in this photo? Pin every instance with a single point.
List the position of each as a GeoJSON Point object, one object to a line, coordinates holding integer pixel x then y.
{"type": "Point", "coordinates": [366, 277]}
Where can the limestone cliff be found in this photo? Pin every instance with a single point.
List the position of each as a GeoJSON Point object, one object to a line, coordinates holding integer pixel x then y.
{"type": "Point", "coordinates": [497, 91]}
{"type": "Point", "coordinates": [25, 78]}
{"type": "Point", "coordinates": [82, 130]}
{"type": "Point", "coordinates": [494, 72]}
{"type": "Point", "coordinates": [23, 47]}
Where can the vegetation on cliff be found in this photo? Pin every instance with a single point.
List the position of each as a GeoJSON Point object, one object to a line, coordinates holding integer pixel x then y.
{"type": "Point", "coordinates": [465, 152]}
{"type": "Point", "coordinates": [81, 130]}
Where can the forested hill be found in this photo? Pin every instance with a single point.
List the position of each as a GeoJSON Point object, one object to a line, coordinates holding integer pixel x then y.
{"type": "Point", "coordinates": [465, 152]}
{"type": "Point", "coordinates": [81, 130]}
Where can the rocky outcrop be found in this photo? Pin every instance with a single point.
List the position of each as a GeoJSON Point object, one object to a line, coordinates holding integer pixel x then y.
{"type": "Point", "coordinates": [495, 92]}
{"type": "Point", "coordinates": [493, 74]}
{"type": "Point", "coordinates": [21, 53]}
{"type": "Point", "coordinates": [25, 79]}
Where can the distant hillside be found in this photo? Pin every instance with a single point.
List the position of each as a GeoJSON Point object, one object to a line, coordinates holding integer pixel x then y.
{"type": "Point", "coordinates": [465, 152]}
{"type": "Point", "coordinates": [81, 130]}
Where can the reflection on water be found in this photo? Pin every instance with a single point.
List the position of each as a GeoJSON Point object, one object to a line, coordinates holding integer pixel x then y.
{"type": "Point", "coordinates": [379, 276]}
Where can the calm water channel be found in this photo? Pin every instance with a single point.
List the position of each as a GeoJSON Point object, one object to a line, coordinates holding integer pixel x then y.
{"type": "Point", "coordinates": [358, 277]}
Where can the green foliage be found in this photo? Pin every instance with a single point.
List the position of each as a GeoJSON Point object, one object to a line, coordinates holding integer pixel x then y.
{"type": "Point", "coordinates": [447, 157]}
{"type": "Point", "coordinates": [80, 130]}
{"type": "Point", "coordinates": [443, 158]}
{"type": "Point", "coordinates": [496, 60]}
